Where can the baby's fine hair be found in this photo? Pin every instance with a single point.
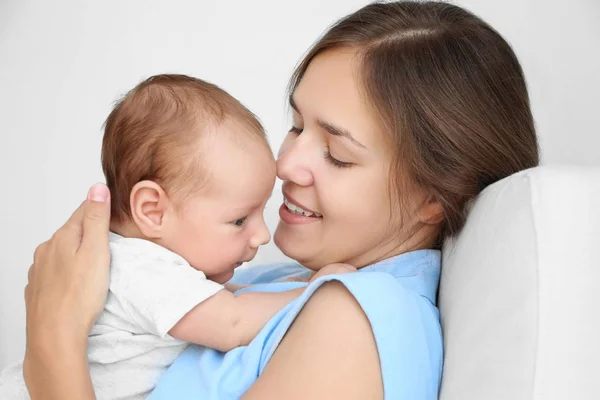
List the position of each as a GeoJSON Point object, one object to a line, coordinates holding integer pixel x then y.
{"type": "Point", "coordinates": [152, 131]}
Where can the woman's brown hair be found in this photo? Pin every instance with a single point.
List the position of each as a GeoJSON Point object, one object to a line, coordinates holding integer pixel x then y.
{"type": "Point", "coordinates": [449, 92]}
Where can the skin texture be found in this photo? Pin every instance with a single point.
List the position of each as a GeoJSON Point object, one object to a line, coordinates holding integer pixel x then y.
{"type": "Point", "coordinates": [320, 357]}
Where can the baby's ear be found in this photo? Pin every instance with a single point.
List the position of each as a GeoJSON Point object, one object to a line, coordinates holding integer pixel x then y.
{"type": "Point", "coordinates": [149, 203]}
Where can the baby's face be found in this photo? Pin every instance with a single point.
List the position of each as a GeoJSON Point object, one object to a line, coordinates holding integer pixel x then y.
{"type": "Point", "coordinates": [222, 226]}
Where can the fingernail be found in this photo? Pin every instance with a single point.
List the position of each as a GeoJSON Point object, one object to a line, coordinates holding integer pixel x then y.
{"type": "Point", "coordinates": [98, 192]}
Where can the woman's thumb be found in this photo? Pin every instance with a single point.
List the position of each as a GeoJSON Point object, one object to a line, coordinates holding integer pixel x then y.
{"type": "Point", "coordinates": [96, 218]}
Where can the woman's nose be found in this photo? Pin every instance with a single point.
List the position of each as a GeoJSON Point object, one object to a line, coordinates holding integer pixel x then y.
{"type": "Point", "coordinates": [294, 161]}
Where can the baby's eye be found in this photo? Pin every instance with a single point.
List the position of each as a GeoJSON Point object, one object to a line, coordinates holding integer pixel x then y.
{"type": "Point", "coordinates": [240, 221]}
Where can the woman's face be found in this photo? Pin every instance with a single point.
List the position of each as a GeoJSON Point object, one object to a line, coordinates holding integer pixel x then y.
{"type": "Point", "coordinates": [335, 166]}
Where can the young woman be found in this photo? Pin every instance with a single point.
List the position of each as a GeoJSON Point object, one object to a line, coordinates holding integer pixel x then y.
{"type": "Point", "coordinates": [402, 113]}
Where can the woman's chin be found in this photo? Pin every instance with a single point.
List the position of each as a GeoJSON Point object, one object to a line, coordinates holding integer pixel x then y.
{"type": "Point", "coordinates": [289, 244]}
{"type": "Point", "coordinates": [297, 248]}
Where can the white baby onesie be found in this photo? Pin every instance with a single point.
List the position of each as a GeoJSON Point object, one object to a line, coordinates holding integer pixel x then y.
{"type": "Point", "coordinates": [151, 289]}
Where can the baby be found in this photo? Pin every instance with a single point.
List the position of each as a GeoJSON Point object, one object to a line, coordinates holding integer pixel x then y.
{"type": "Point", "coordinates": [190, 172]}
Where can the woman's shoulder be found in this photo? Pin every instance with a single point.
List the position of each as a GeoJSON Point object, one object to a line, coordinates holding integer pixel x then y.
{"type": "Point", "coordinates": [403, 319]}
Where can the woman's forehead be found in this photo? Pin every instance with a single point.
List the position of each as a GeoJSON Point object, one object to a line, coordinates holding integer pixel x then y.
{"type": "Point", "coordinates": [331, 91]}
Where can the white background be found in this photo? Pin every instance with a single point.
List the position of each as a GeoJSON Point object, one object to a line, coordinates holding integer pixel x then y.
{"type": "Point", "coordinates": [62, 64]}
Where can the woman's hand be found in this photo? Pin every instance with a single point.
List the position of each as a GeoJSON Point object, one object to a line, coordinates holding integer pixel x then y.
{"type": "Point", "coordinates": [67, 288]}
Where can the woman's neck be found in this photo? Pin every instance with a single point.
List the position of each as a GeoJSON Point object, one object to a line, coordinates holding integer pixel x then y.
{"type": "Point", "coordinates": [421, 238]}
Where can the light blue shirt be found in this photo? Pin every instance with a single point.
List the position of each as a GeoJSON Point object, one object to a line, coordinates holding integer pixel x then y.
{"type": "Point", "coordinates": [398, 295]}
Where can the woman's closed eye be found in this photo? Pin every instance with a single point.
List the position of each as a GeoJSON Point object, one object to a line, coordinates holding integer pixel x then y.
{"type": "Point", "coordinates": [327, 154]}
{"type": "Point", "coordinates": [334, 161]}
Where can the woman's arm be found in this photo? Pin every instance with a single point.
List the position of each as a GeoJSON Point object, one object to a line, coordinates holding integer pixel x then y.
{"type": "Point", "coordinates": [329, 352]}
{"type": "Point", "coordinates": [57, 370]}
{"type": "Point", "coordinates": [67, 288]}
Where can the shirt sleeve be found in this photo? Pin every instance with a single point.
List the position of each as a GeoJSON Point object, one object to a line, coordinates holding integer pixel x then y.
{"type": "Point", "coordinates": [157, 294]}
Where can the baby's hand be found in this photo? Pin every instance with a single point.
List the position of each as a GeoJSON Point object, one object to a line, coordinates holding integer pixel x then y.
{"type": "Point", "coordinates": [332, 269]}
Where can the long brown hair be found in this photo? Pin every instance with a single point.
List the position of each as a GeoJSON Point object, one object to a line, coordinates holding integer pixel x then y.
{"type": "Point", "coordinates": [449, 92]}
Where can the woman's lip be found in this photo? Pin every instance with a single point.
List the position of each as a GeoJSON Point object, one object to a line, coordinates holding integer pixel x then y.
{"type": "Point", "coordinates": [295, 219]}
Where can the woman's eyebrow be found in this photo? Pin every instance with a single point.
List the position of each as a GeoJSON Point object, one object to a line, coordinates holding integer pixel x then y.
{"type": "Point", "coordinates": [336, 131]}
{"type": "Point", "coordinates": [331, 129]}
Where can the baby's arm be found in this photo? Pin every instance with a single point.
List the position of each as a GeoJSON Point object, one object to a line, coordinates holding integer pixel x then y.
{"type": "Point", "coordinates": [225, 321]}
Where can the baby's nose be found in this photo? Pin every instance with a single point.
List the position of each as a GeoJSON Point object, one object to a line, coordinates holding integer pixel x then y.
{"type": "Point", "coordinates": [262, 237]}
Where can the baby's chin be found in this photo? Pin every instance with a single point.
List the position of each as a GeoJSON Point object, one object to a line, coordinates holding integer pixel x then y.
{"type": "Point", "coordinates": [222, 277]}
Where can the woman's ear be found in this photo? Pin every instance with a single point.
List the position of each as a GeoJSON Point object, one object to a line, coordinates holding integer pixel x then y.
{"type": "Point", "coordinates": [149, 204]}
{"type": "Point", "coordinates": [431, 212]}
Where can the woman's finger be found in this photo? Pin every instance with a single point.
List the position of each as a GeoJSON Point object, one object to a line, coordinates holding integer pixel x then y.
{"type": "Point", "coordinates": [68, 236]}
{"type": "Point", "coordinates": [30, 272]}
{"type": "Point", "coordinates": [39, 251]}
{"type": "Point", "coordinates": [96, 220]}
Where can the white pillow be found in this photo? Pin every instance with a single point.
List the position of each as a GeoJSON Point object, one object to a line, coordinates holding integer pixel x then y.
{"type": "Point", "coordinates": [520, 291]}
